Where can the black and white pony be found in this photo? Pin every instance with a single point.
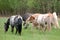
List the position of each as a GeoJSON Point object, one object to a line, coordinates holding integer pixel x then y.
{"type": "Point", "coordinates": [14, 21]}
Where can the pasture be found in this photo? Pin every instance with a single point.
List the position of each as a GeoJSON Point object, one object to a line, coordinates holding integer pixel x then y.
{"type": "Point", "coordinates": [27, 34]}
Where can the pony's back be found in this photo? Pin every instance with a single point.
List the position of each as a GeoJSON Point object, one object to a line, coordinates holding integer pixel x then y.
{"type": "Point", "coordinates": [18, 19]}
{"type": "Point", "coordinates": [12, 19]}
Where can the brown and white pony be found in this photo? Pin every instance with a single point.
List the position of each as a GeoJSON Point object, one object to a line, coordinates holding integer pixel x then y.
{"type": "Point", "coordinates": [43, 19]}
{"type": "Point", "coordinates": [31, 19]}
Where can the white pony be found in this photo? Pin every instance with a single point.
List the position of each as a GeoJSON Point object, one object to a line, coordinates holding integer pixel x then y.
{"type": "Point", "coordinates": [43, 21]}
{"type": "Point", "coordinates": [48, 19]}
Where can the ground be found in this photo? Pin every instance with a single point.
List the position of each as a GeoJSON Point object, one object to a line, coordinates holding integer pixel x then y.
{"type": "Point", "coordinates": [27, 34]}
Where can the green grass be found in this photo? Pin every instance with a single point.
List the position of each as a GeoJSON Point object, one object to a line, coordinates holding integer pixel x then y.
{"type": "Point", "coordinates": [27, 34]}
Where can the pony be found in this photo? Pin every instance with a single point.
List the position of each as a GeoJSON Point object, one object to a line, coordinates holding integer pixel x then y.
{"type": "Point", "coordinates": [44, 20]}
{"type": "Point", "coordinates": [25, 17]}
{"type": "Point", "coordinates": [14, 21]}
{"type": "Point", "coordinates": [32, 20]}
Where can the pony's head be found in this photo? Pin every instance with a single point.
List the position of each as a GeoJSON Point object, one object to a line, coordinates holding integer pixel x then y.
{"type": "Point", "coordinates": [6, 26]}
{"type": "Point", "coordinates": [31, 18]}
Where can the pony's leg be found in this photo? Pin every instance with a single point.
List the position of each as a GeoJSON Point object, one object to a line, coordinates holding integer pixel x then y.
{"type": "Point", "coordinates": [16, 30]}
{"type": "Point", "coordinates": [49, 26]}
{"type": "Point", "coordinates": [26, 26]}
{"type": "Point", "coordinates": [41, 27]}
{"type": "Point", "coordinates": [32, 28]}
{"type": "Point", "coordinates": [49, 20]}
{"type": "Point", "coordinates": [12, 29]}
{"type": "Point", "coordinates": [20, 29]}
{"type": "Point", "coordinates": [24, 23]}
{"type": "Point", "coordinates": [56, 24]}
{"type": "Point", "coordinates": [44, 27]}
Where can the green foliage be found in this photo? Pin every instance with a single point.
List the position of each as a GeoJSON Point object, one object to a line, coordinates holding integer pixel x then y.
{"type": "Point", "coordinates": [21, 6]}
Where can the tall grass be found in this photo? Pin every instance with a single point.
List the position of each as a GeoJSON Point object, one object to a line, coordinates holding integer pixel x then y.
{"type": "Point", "coordinates": [27, 34]}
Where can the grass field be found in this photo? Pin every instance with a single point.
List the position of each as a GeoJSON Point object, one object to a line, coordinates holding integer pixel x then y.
{"type": "Point", "coordinates": [27, 34]}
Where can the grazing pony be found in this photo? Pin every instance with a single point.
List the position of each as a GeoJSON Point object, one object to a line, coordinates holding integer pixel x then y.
{"type": "Point", "coordinates": [25, 16]}
{"type": "Point", "coordinates": [32, 19]}
{"type": "Point", "coordinates": [16, 21]}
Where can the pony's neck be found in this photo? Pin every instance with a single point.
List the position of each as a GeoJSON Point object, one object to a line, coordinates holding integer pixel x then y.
{"type": "Point", "coordinates": [8, 21]}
